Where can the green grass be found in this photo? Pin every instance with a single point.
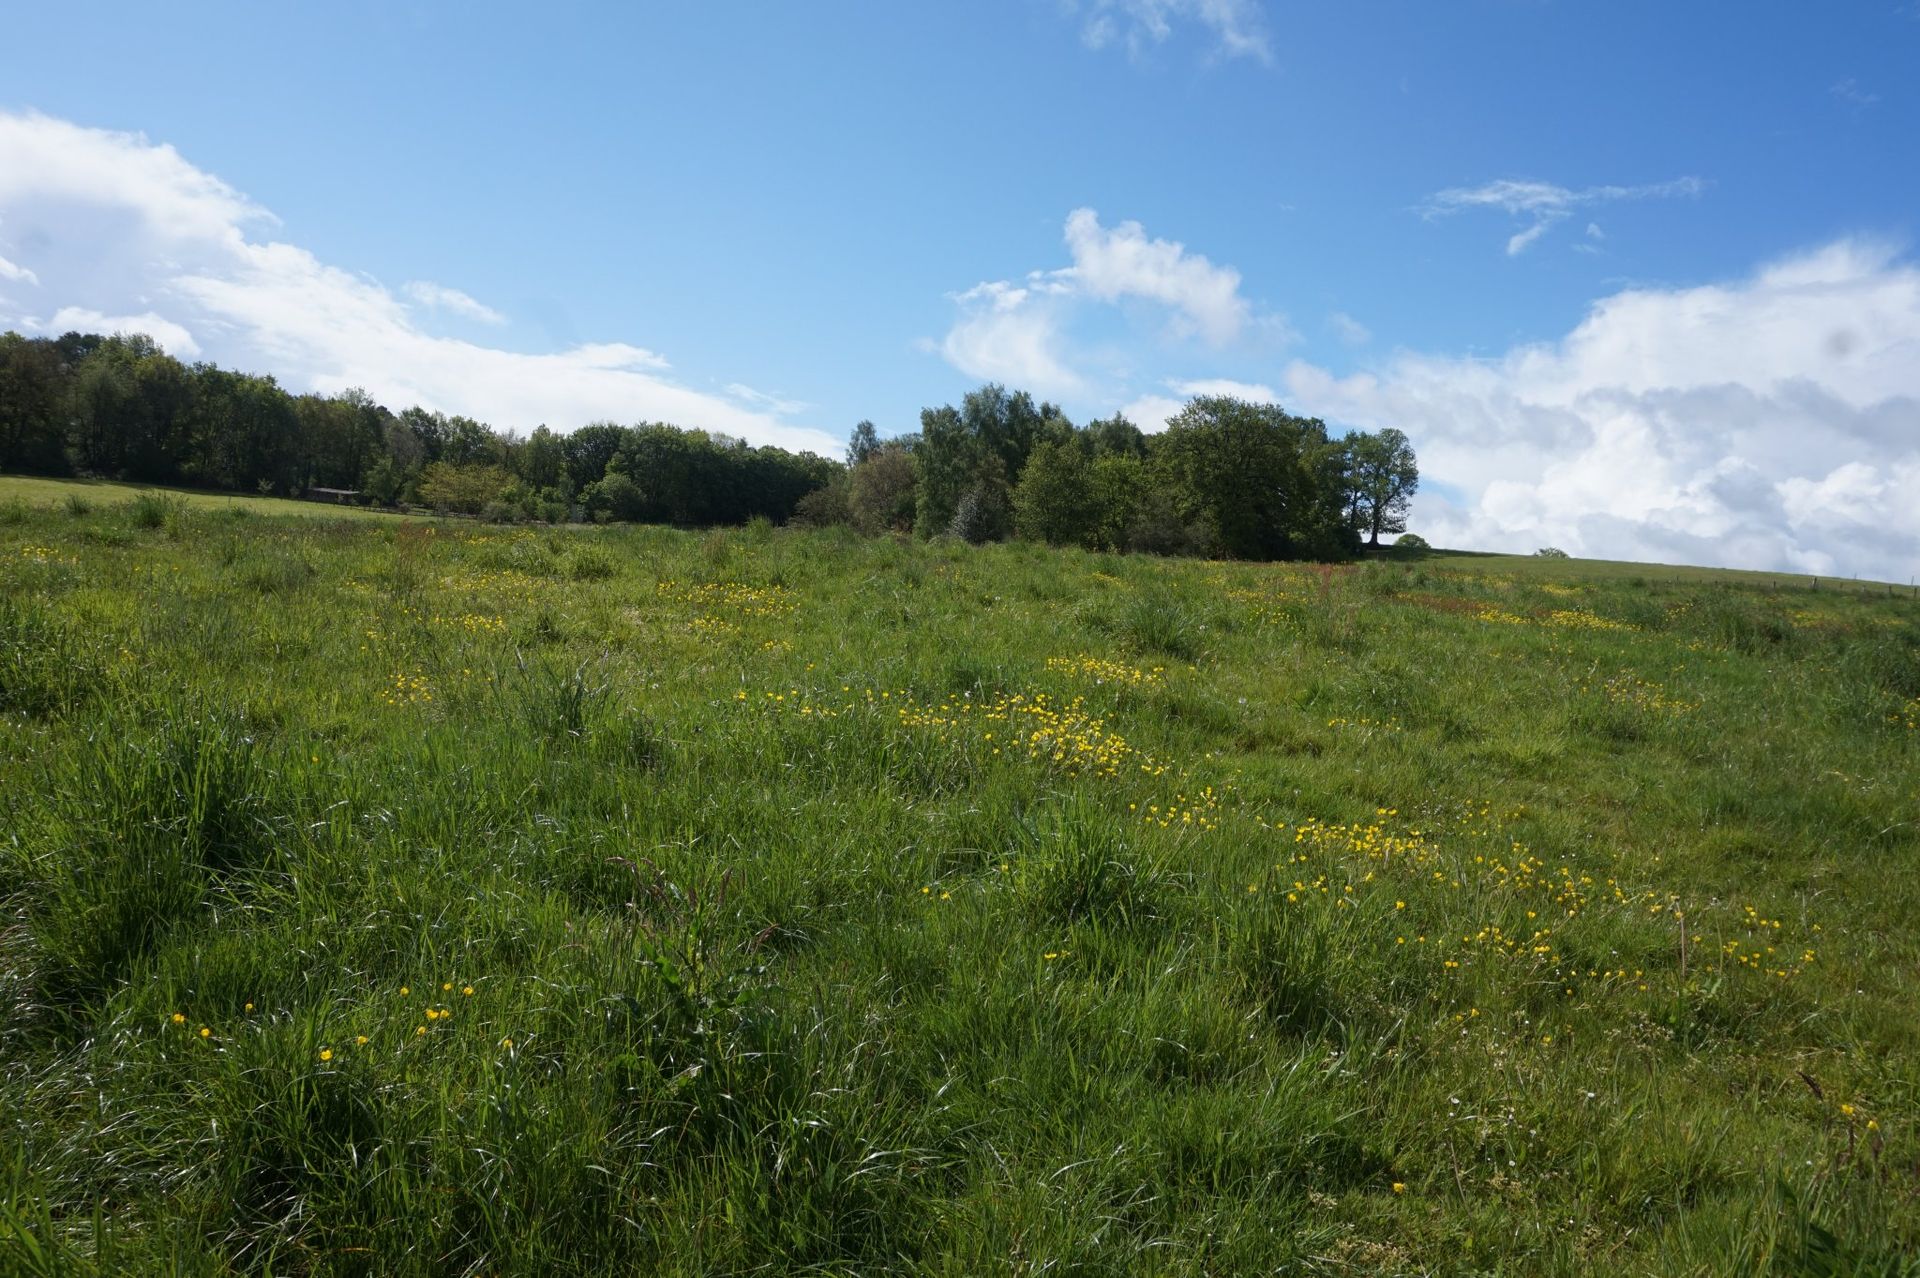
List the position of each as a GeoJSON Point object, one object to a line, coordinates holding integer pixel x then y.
{"type": "Point", "coordinates": [30, 492]}
{"type": "Point", "coordinates": [845, 906]}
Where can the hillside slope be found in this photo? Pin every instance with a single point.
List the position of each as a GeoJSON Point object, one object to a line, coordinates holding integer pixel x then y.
{"type": "Point", "coordinates": [402, 898]}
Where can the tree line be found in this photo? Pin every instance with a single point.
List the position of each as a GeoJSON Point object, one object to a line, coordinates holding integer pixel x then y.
{"type": "Point", "coordinates": [1227, 477]}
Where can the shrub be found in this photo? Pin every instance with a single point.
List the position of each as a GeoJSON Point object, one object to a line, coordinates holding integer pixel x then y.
{"type": "Point", "coordinates": [466, 489]}
{"type": "Point", "coordinates": [615, 497]}
{"type": "Point", "coordinates": [825, 506]}
{"type": "Point", "coordinates": [982, 515]}
{"type": "Point", "coordinates": [880, 491]}
{"type": "Point", "coordinates": [1550, 552]}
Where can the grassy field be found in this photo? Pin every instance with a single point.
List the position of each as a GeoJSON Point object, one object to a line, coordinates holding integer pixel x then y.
{"type": "Point", "coordinates": [33, 492]}
{"type": "Point", "coordinates": [400, 898]}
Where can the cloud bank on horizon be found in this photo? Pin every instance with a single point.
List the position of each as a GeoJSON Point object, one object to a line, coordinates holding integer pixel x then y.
{"type": "Point", "coordinates": [1768, 423]}
{"type": "Point", "coordinates": [112, 232]}
{"type": "Point", "coordinates": [1771, 422]}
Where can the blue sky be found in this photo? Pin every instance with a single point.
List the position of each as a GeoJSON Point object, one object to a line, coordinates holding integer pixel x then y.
{"type": "Point", "coordinates": [777, 219]}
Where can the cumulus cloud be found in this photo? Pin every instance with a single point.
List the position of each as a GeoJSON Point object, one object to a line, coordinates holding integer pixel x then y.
{"type": "Point", "coordinates": [1011, 334]}
{"type": "Point", "coordinates": [452, 300]}
{"type": "Point", "coordinates": [1543, 204]}
{"type": "Point", "coordinates": [114, 226]}
{"type": "Point", "coordinates": [1016, 332]}
{"type": "Point", "coordinates": [1771, 422]}
{"type": "Point", "coordinates": [1123, 262]}
{"type": "Point", "coordinates": [1237, 26]}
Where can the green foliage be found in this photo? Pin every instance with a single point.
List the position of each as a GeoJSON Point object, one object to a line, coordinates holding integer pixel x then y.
{"type": "Point", "coordinates": [1382, 477]}
{"type": "Point", "coordinates": [881, 491]}
{"type": "Point", "coordinates": [1055, 500]}
{"type": "Point", "coordinates": [1253, 474]}
{"type": "Point", "coordinates": [982, 514]}
{"type": "Point", "coordinates": [463, 489]}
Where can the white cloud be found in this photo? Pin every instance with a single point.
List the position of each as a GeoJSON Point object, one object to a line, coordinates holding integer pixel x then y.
{"type": "Point", "coordinates": [771, 403]}
{"type": "Point", "coordinates": [115, 225]}
{"type": "Point", "coordinates": [1238, 26]}
{"type": "Point", "coordinates": [17, 273]}
{"type": "Point", "coordinates": [1348, 329]}
{"type": "Point", "coordinates": [440, 297]}
{"type": "Point", "coordinates": [1771, 422]}
{"type": "Point", "coordinates": [1017, 333]}
{"type": "Point", "coordinates": [1123, 262]}
{"type": "Point", "coordinates": [173, 339]}
{"type": "Point", "coordinates": [1151, 412]}
{"type": "Point", "coordinates": [1521, 240]}
{"type": "Point", "coordinates": [1011, 334]}
{"type": "Point", "coordinates": [1547, 204]}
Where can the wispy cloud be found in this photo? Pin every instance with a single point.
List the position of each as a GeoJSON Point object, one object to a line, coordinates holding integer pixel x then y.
{"type": "Point", "coordinates": [1850, 92]}
{"type": "Point", "coordinates": [1546, 204]}
{"type": "Point", "coordinates": [451, 300]}
{"type": "Point", "coordinates": [1238, 27]}
{"type": "Point", "coordinates": [1348, 329]}
{"type": "Point", "coordinates": [126, 233]}
{"type": "Point", "coordinates": [771, 403]}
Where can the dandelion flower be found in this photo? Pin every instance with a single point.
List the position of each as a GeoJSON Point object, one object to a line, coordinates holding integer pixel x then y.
{"type": "Point", "coordinates": [445, 986]}
{"type": "Point", "coordinates": [326, 1053]}
{"type": "Point", "coordinates": [205, 1032]}
{"type": "Point", "coordinates": [404, 991]}
{"type": "Point", "coordinates": [249, 1007]}
{"type": "Point", "coordinates": [179, 1018]}
{"type": "Point", "coordinates": [419, 1029]}
{"type": "Point", "coordinates": [507, 1043]}
{"type": "Point", "coordinates": [1399, 1187]}
{"type": "Point", "coordinates": [360, 1040]}
{"type": "Point", "coordinates": [467, 991]}
{"type": "Point", "coordinates": [1846, 1109]}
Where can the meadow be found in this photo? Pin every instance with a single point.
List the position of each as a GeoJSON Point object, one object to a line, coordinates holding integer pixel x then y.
{"type": "Point", "coordinates": [414, 897]}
